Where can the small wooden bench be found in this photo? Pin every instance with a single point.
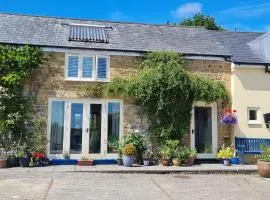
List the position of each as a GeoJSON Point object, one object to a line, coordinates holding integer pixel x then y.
{"type": "Point", "coordinates": [250, 145]}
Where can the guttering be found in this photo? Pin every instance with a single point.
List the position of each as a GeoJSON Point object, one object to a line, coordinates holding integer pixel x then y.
{"type": "Point", "coordinates": [266, 65]}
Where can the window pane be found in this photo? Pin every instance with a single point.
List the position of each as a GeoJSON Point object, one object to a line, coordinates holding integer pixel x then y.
{"type": "Point", "coordinates": [73, 63]}
{"type": "Point", "coordinates": [87, 67]}
{"type": "Point", "coordinates": [252, 114]}
{"type": "Point", "coordinates": [113, 123]}
{"type": "Point", "coordinates": [76, 128]}
{"type": "Point", "coordinates": [102, 67]}
{"type": "Point", "coordinates": [95, 128]}
{"type": "Point", "coordinates": [57, 127]}
{"type": "Point", "coordinates": [203, 129]}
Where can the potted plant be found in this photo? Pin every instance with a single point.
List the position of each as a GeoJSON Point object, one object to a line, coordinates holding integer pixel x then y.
{"type": "Point", "coordinates": [235, 159]}
{"type": "Point", "coordinates": [191, 155]}
{"type": "Point", "coordinates": [66, 155]}
{"type": "Point", "coordinates": [3, 160]}
{"type": "Point", "coordinates": [226, 153]}
{"type": "Point", "coordinates": [167, 150]}
{"type": "Point", "coordinates": [12, 160]}
{"type": "Point", "coordinates": [84, 161]}
{"type": "Point", "coordinates": [24, 158]}
{"type": "Point", "coordinates": [264, 163]}
{"type": "Point", "coordinates": [138, 140]}
{"type": "Point", "coordinates": [39, 159]}
{"type": "Point", "coordinates": [229, 117]}
{"type": "Point", "coordinates": [146, 158]}
{"type": "Point", "coordinates": [177, 157]}
{"type": "Point", "coordinates": [129, 155]}
{"type": "Point", "coordinates": [116, 147]}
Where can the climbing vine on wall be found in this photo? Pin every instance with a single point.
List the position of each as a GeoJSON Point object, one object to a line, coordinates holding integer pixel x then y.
{"type": "Point", "coordinates": [166, 91]}
{"type": "Point", "coordinates": [16, 110]}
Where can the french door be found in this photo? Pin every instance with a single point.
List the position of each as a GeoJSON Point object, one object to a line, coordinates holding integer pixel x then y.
{"type": "Point", "coordinates": [204, 130]}
{"type": "Point", "coordinates": [83, 127]}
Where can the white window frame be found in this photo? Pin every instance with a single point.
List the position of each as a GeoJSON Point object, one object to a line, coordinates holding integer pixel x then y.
{"type": "Point", "coordinates": [104, 127]}
{"type": "Point", "coordinates": [258, 120]}
{"type": "Point", "coordinates": [94, 68]}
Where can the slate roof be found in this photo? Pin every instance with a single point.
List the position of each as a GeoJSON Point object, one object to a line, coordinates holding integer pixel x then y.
{"type": "Point", "coordinates": [237, 44]}
{"type": "Point", "coordinates": [53, 32]}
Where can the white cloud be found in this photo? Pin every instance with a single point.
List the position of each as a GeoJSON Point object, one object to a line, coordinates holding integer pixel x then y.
{"type": "Point", "coordinates": [255, 10]}
{"type": "Point", "coordinates": [187, 10]}
{"type": "Point", "coordinates": [119, 16]}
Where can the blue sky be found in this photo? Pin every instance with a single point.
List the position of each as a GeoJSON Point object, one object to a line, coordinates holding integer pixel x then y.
{"type": "Point", "coordinates": [244, 15]}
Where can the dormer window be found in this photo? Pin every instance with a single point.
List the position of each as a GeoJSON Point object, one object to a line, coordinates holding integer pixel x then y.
{"type": "Point", "coordinates": [87, 68]}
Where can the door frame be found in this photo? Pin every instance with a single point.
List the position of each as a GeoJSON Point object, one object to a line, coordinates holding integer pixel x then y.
{"type": "Point", "coordinates": [214, 129]}
{"type": "Point", "coordinates": [85, 136]}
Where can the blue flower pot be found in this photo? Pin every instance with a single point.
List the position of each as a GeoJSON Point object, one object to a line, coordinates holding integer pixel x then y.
{"type": "Point", "coordinates": [235, 161]}
{"type": "Point", "coordinates": [128, 160]}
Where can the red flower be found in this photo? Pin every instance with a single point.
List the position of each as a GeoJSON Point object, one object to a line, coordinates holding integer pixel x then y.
{"type": "Point", "coordinates": [228, 111]}
{"type": "Point", "coordinates": [40, 155]}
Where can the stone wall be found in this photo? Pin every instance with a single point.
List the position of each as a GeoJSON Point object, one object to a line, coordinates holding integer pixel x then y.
{"type": "Point", "coordinates": [49, 82]}
{"type": "Point", "coordinates": [216, 70]}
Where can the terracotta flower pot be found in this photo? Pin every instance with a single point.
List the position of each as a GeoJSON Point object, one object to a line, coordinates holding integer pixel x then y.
{"type": "Point", "coordinates": [264, 168]}
{"type": "Point", "coordinates": [165, 162]}
{"type": "Point", "coordinates": [190, 161]}
{"type": "Point", "coordinates": [176, 162]}
{"type": "Point", "coordinates": [85, 162]}
{"type": "Point", "coordinates": [3, 163]}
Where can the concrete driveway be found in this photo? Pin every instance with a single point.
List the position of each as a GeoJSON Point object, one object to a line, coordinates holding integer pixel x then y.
{"type": "Point", "coordinates": [85, 185]}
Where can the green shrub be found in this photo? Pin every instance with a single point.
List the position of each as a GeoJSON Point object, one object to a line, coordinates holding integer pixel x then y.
{"type": "Point", "coordinates": [167, 150]}
{"type": "Point", "coordinates": [265, 152]}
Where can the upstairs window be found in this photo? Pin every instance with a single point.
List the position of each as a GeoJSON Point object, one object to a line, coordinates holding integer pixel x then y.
{"type": "Point", "coordinates": [87, 68]}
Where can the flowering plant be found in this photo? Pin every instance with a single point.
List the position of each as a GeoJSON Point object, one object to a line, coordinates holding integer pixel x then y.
{"type": "Point", "coordinates": [229, 117]}
{"type": "Point", "coordinates": [38, 155]}
{"type": "Point", "coordinates": [225, 153]}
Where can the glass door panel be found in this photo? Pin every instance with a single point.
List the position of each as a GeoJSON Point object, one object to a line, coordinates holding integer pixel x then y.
{"type": "Point", "coordinates": [76, 126]}
{"type": "Point", "coordinates": [203, 129]}
{"type": "Point", "coordinates": [95, 128]}
{"type": "Point", "coordinates": [57, 127]}
{"type": "Point", "coordinates": [113, 123]}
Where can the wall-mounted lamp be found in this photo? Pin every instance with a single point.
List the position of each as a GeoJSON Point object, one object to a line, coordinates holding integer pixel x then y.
{"type": "Point", "coordinates": [267, 119]}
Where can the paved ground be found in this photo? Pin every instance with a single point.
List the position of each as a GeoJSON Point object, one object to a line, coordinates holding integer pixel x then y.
{"type": "Point", "coordinates": [203, 168]}
{"type": "Point", "coordinates": [85, 185]}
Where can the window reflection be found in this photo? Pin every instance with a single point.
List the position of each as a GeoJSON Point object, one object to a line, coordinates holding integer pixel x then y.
{"type": "Point", "coordinates": [113, 123]}
{"type": "Point", "coordinates": [76, 128]}
{"type": "Point", "coordinates": [57, 127]}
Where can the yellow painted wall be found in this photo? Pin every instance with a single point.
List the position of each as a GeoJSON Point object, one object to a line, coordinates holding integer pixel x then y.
{"type": "Point", "coordinates": [250, 88]}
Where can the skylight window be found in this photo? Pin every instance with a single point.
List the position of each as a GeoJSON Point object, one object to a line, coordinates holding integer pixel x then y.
{"type": "Point", "coordinates": [85, 33]}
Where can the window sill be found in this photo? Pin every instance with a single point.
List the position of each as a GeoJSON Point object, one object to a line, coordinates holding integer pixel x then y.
{"type": "Point", "coordinates": [87, 80]}
{"type": "Point", "coordinates": [254, 123]}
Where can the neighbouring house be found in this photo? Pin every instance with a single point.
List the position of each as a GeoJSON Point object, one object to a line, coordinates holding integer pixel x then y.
{"type": "Point", "coordinates": [82, 52]}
